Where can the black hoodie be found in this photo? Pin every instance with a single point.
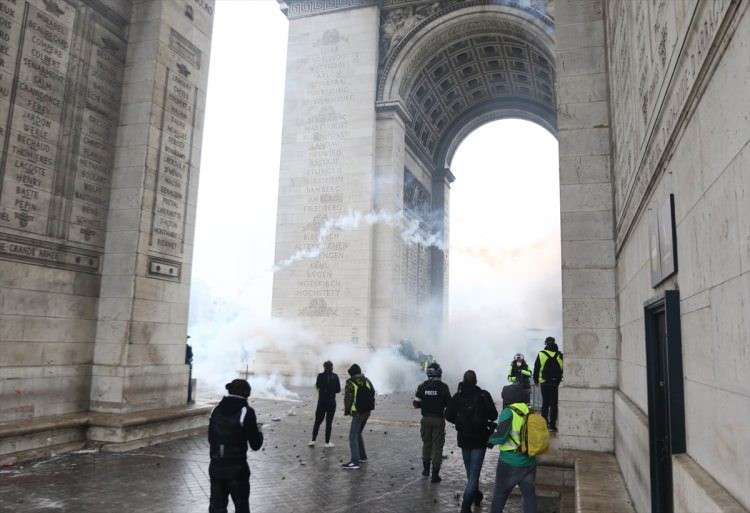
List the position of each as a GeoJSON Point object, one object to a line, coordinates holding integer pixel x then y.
{"type": "Point", "coordinates": [232, 427]}
{"type": "Point", "coordinates": [471, 393]}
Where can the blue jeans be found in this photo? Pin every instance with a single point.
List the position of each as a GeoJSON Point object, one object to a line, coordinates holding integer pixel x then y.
{"type": "Point", "coordinates": [473, 460]}
{"type": "Point", "coordinates": [506, 478]}
{"type": "Point", "coordinates": [356, 442]}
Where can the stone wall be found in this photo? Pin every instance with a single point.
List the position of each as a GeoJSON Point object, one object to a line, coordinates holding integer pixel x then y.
{"type": "Point", "coordinates": [101, 115]}
{"type": "Point", "coordinates": [326, 174]}
{"type": "Point", "coordinates": [679, 74]}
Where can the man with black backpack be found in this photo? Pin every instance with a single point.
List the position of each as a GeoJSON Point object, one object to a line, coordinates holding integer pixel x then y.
{"type": "Point", "coordinates": [473, 412]}
{"type": "Point", "coordinates": [432, 397]}
{"type": "Point", "coordinates": [548, 373]}
{"type": "Point", "coordinates": [359, 401]}
{"type": "Point", "coordinates": [231, 428]}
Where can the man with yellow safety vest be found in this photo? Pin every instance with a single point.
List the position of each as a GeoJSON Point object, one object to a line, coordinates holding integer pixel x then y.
{"type": "Point", "coordinates": [513, 467]}
{"type": "Point", "coordinates": [359, 401]}
{"type": "Point", "coordinates": [548, 373]}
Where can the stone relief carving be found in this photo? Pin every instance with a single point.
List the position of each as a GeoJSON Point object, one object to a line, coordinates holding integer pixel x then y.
{"type": "Point", "coordinates": [318, 307]}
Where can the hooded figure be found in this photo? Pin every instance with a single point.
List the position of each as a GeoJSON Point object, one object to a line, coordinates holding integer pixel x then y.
{"type": "Point", "coordinates": [327, 385]}
{"type": "Point", "coordinates": [473, 412]}
{"type": "Point", "coordinates": [232, 427]}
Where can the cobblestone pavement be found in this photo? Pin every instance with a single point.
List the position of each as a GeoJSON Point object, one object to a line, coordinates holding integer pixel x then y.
{"type": "Point", "coordinates": [287, 475]}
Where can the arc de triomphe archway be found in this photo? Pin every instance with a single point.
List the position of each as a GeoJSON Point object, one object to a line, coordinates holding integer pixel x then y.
{"type": "Point", "coordinates": [378, 97]}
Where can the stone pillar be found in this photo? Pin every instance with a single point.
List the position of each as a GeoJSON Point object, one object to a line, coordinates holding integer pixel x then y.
{"type": "Point", "coordinates": [589, 309]}
{"type": "Point", "coordinates": [387, 290]}
{"type": "Point", "coordinates": [441, 184]}
{"type": "Point", "coordinates": [142, 319]}
{"type": "Point", "coordinates": [326, 175]}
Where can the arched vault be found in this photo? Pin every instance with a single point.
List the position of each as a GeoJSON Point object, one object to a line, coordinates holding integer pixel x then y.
{"type": "Point", "coordinates": [465, 66]}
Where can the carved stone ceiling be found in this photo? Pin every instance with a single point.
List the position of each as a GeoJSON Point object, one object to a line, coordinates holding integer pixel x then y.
{"type": "Point", "coordinates": [472, 72]}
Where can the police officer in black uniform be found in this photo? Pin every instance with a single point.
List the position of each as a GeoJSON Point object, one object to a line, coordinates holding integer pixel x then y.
{"type": "Point", "coordinates": [232, 427]}
{"type": "Point", "coordinates": [432, 397]}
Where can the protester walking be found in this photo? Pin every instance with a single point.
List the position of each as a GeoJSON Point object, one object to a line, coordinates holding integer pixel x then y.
{"type": "Point", "coordinates": [359, 401]}
{"type": "Point", "coordinates": [328, 385]}
{"type": "Point", "coordinates": [548, 373]}
{"type": "Point", "coordinates": [473, 412]}
{"type": "Point", "coordinates": [232, 426]}
{"type": "Point", "coordinates": [432, 397]}
{"type": "Point", "coordinates": [513, 466]}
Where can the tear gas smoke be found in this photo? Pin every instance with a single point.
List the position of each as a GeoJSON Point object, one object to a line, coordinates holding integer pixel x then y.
{"type": "Point", "coordinates": [411, 233]}
{"type": "Point", "coordinates": [505, 289]}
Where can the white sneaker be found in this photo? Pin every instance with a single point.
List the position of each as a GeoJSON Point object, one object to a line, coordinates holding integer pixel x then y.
{"type": "Point", "coordinates": [311, 443]}
{"type": "Point", "coordinates": [330, 444]}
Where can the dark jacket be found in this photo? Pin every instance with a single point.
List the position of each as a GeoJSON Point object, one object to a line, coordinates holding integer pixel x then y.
{"type": "Point", "coordinates": [327, 385]}
{"type": "Point", "coordinates": [432, 397]}
{"type": "Point", "coordinates": [358, 379]}
{"type": "Point", "coordinates": [232, 427]}
{"type": "Point", "coordinates": [467, 393]}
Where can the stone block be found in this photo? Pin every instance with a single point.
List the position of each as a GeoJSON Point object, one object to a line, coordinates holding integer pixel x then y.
{"type": "Point", "coordinates": [582, 88]}
{"type": "Point", "coordinates": [581, 61]}
{"type": "Point", "coordinates": [631, 449]}
{"type": "Point", "coordinates": [117, 286]}
{"type": "Point", "coordinates": [589, 313]}
{"type": "Point", "coordinates": [588, 254]}
{"type": "Point", "coordinates": [590, 343]}
{"type": "Point", "coordinates": [571, 36]}
{"type": "Point", "coordinates": [590, 372]}
{"type": "Point", "coordinates": [696, 490]}
{"type": "Point", "coordinates": [584, 142]}
{"type": "Point", "coordinates": [572, 116]}
{"type": "Point", "coordinates": [585, 197]}
{"type": "Point", "coordinates": [592, 225]}
{"type": "Point", "coordinates": [588, 284]}
{"type": "Point", "coordinates": [115, 308]}
{"type": "Point", "coordinates": [723, 110]}
{"type": "Point", "coordinates": [724, 458]}
{"type": "Point", "coordinates": [577, 11]}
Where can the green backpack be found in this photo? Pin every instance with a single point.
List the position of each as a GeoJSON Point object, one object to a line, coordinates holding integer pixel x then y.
{"type": "Point", "coordinates": [534, 433]}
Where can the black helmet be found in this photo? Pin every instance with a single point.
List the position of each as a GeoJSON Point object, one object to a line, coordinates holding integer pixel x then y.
{"type": "Point", "coordinates": [433, 370]}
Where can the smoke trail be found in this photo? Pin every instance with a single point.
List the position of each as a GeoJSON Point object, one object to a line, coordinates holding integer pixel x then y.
{"type": "Point", "coordinates": [411, 232]}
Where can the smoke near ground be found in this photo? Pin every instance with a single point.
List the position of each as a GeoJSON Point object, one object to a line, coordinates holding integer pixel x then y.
{"type": "Point", "coordinates": [504, 287]}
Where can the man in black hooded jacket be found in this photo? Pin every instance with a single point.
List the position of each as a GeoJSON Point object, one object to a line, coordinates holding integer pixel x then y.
{"type": "Point", "coordinates": [232, 427]}
{"type": "Point", "coordinates": [473, 411]}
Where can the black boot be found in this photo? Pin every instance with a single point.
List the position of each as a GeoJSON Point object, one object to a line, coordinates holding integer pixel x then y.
{"type": "Point", "coordinates": [435, 475]}
{"type": "Point", "coordinates": [426, 468]}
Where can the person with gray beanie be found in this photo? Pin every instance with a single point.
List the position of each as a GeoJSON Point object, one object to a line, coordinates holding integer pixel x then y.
{"type": "Point", "coordinates": [231, 428]}
{"type": "Point", "coordinates": [359, 401]}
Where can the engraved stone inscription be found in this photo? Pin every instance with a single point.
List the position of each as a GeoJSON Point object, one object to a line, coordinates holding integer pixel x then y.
{"type": "Point", "coordinates": [324, 133]}
{"type": "Point", "coordinates": [94, 151]}
{"type": "Point", "coordinates": [60, 88]}
{"type": "Point", "coordinates": [32, 116]}
{"type": "Point", "coordinates": [175, 160]}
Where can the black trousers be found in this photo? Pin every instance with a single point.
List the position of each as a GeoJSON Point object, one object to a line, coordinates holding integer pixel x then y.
{"type": "Point", "coordinates": [229, 480]}
{"type": "Point", "coordinates": [327, 411]}
{"type": "Point", "coordinates": [549, 403]}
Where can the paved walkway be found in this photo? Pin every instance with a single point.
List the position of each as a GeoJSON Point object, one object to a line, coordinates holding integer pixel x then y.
{"type": "Point", "coordinates": [287, 476]}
